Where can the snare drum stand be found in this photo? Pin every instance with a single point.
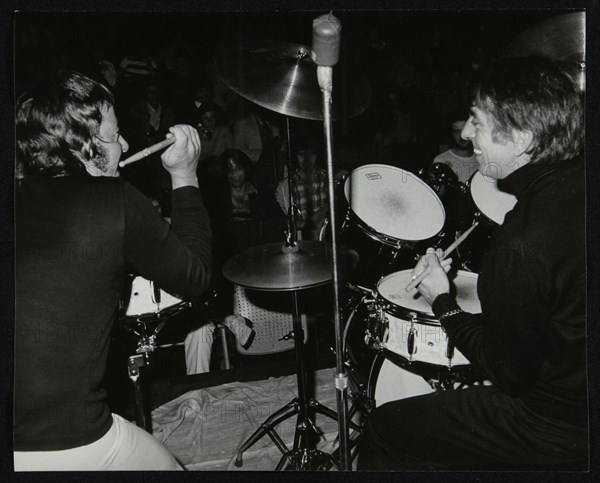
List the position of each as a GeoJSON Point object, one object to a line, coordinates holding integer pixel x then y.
{"type": "Point", "coordinates": [145, 347]}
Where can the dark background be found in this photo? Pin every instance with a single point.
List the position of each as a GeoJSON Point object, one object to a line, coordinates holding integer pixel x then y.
{"type": "Point", "coordinates": [432, 40]}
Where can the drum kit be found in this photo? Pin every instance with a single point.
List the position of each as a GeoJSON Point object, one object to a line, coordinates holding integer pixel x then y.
{"type": "Point", "coordinates": [390, 216]}
{"type": "Point", "coordinates": [391, 345]}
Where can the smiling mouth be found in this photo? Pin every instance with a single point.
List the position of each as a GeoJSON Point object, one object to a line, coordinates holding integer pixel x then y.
{"type": "Point", "coordinates": [478, 152]}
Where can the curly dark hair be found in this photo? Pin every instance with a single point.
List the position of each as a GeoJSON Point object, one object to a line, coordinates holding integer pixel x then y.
{"type": "Point", "coordinates": [536, 95]}
{"type": "Point", "coordinates": [239, 157]}
{"type": "Point", "coordinates": [55, 126]}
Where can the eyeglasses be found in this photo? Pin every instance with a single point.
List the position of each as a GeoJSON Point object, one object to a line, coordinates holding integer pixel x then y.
{"type": "Point", "coordinates": [116, 139]}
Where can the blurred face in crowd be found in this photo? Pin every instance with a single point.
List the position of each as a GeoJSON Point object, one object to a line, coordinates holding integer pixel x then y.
{"type": "Point", "coordinates": [201, 94]}
{"type": "Point", "coordinates": [306, 158]}
{"type": "Point", "coordinates": [111, 145]}
{"type": "Point", "coordinates": [209, 120]}
{"type": "Point", "coordinates": [457, 139]}
{"type": "Point", "coordinates": [236, 174]}
{"type": "Point", "coordinates": [153, 94]}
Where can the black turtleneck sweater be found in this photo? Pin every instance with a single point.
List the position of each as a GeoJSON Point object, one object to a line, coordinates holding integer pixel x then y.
{"type": "Point", "coordinates": [530, 339]}
{"type": "Point", "coordinates": [76, 238]}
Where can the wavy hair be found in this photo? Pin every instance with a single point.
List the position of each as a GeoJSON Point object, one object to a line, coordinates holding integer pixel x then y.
{"type": "Point", "coordinates": [537, 95]}
{"type": "Point", "coordinates": [55, 126]}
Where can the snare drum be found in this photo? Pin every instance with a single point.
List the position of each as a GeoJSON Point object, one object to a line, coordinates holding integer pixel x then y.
{"type": "Point", "coordinates": [391, 215]}
{"type": "Point", "coordinates": [491, 206]}
{"type": "Point", "coordinates": [413, 331]}
{"type": "Point", "coordinates": [148, 303]}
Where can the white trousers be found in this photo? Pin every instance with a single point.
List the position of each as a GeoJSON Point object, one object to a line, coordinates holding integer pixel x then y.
{"type": "Point", "coordinates": [198, 349]}
{"type": "Point", "coordinates": [124, 447]}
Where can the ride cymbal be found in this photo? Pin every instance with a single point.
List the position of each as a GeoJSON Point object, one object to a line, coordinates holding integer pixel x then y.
{"type": "Point", "coordinates": [282, 77]}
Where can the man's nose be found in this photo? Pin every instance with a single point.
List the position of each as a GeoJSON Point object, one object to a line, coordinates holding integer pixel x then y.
{"type": "Point", "coordinates": [467, 131]}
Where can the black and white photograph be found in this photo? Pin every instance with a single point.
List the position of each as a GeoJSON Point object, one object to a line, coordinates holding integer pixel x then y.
{"type": "Point", "coordinates": [300, 240]}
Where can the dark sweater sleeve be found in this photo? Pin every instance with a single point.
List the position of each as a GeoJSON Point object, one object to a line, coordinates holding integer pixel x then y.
{"type": "Point", "coordinates": [176, 257]}
{"type": "Point", "coordinates": [503, 341]}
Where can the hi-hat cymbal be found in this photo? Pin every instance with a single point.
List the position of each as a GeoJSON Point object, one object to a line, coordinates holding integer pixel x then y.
{"type": "Point", "coordinates": [560, 38]}
{"type": "Point", "coordinates": [282, 77]}
{"type": "Point", "coordinates": [271, 267]}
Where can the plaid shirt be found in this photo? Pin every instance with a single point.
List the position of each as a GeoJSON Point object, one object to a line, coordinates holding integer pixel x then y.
{"type": "Point", "coordinates": [301, 193]}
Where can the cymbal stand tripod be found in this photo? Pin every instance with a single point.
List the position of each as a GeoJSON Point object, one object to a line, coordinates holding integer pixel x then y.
{"type": "Point", "coordinates": [302, 456]}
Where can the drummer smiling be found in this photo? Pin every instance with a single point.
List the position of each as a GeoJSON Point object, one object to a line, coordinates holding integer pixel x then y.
{"type": "Point", "coordinates": [526, 126]}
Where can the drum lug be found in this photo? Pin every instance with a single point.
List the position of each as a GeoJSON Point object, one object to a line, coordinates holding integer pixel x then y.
{"type": "Point", "coordinates": [449, 353]}
{"type": "Point", "coordinates": [410, 340]}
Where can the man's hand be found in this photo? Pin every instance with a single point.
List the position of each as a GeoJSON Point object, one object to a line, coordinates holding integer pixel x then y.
{"type": "Point", "coordinates": [181, 158]}
{"type": "Point", "coordinates": [435, 281]}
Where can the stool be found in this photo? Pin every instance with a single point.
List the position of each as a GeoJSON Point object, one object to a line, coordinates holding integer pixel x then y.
{"type": "Point", "coordinates": [271, 317]}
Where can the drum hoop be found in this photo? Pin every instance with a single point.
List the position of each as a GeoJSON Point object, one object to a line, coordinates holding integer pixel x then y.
{"type": "Point", "coordinates": [410, 315]}
{"type": "Point", "coordinates": [150, 317]}
{"type": "Point", "coordinates": [377, 235]}
{"type": "Point", "coordinates": [416, 367]}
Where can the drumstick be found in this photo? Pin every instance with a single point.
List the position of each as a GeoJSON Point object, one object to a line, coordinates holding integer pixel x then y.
{"type": "Point", "coordinates": [148, 151]}
{"type": "Point", "coordinates": [417, 280]}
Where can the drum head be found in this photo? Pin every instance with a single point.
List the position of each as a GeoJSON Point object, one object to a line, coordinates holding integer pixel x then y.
{"type": "Point", "coordinates": [392, 382]}
{"type": "Point", "coordinates": [392, 289]}
{"type": "Point", "coordinates": [492, 202]}
{"type": "Point", "coordinates": [394, 202]}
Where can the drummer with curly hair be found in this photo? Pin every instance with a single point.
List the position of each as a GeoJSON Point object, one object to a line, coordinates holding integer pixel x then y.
{"type": "Point", "coordinates": [526, 126]}
{"type": "Point", "coordinates": [79, 230]}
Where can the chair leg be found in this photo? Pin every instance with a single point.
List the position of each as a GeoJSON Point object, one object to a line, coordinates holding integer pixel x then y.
{"type": "Point", "coordinates": [223, 334]}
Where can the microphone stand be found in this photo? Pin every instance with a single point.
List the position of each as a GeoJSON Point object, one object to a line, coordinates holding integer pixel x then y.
{"type": "Point", "coordinates": [325, 79]}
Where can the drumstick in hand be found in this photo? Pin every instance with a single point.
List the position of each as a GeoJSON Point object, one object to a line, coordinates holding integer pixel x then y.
{"type": "Point", "coordinates": [148, 151]}
{"type": "Point", "coordinates": [417, 280]}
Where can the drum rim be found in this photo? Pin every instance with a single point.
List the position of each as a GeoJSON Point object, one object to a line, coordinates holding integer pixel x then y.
{"type": "Point", "coordinates": [378, 234]}
{"type": "Point", "coordinates": [427, 318]}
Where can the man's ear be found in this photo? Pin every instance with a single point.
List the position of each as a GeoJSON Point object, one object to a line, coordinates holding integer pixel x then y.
{"type": "Point", "coordinates": [523, 141]}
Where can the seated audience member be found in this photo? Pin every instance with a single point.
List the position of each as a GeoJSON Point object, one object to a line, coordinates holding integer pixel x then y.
{"type": "Point", "coordinates": [147, 123]}
{"type": "Point", "coordinates": [71, 203]}
{"type": "Point", "coordinates": [242, 215]}
{"type": "Point", "coordinates": [151, 118]}
{"type": "Point", "coordinates": [260, 140]}
{"type": "Point", "coordinates": [134, 70]}
{"type": "Point", "coordinates": [460, 155]}
{"type": "Point", "coordinates": [215, 137]}
{"type": "Point", "coordinates": [309, 188]}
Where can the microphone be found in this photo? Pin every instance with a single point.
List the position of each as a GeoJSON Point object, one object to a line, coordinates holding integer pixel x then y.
{"type": "Point", "coordinates": [327, 31]}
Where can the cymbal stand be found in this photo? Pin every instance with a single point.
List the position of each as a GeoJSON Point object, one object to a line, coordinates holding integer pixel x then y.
{"type": "Point", "coordinates": [303, 456]}
{"type": "Point", "coordinates": [290, 241]}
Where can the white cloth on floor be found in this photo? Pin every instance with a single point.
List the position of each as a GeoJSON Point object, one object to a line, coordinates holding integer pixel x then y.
{"type": "Point", "coordinates": [204, 428]}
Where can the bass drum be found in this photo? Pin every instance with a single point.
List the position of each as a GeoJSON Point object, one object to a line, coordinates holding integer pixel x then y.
{"type": "Point", "coordinates": [391, 380]}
